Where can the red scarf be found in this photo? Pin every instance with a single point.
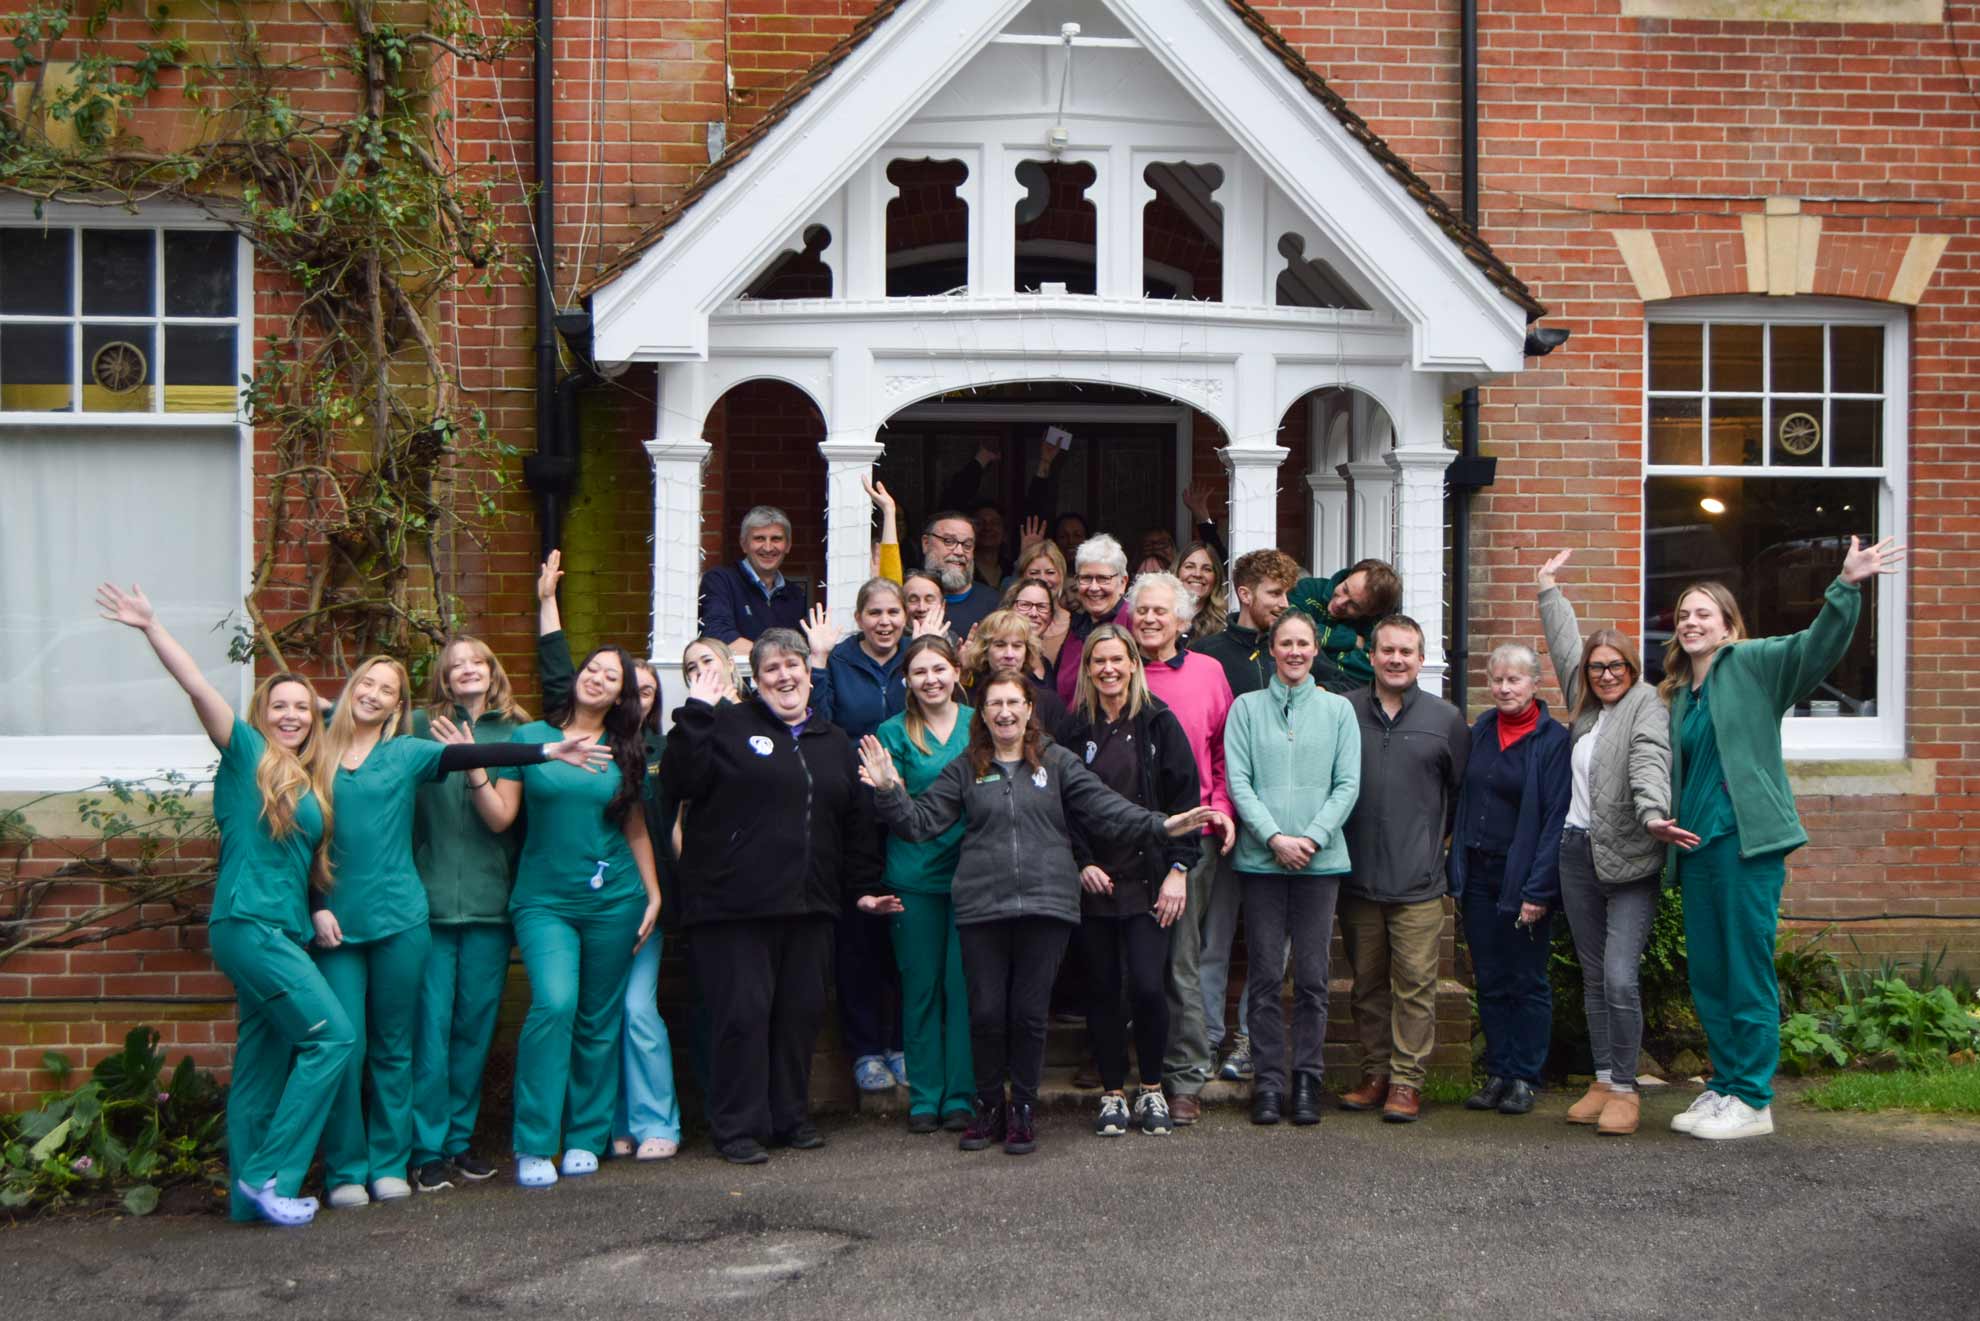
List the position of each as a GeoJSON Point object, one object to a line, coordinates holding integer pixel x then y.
{"type": "Point", "coordinates": [1514, 728]}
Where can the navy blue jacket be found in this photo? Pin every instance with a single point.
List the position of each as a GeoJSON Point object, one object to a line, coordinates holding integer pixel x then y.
{"type": "Point", "coordinates": [733, 606]}
{"type": "Point", "coordinates": [1533, 863]}
{"type": "Point", "coordinates": [856, 692]}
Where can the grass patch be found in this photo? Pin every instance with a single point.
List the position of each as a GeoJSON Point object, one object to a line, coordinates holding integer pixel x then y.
{"type": "Point", "coordinates": [1448, 1088]}
{"type": "Point", "coordinates": [1954, 1090]}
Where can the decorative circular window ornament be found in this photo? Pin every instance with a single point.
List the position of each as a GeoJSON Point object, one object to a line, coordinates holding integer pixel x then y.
{"type": "Point", "coordinates": [118, 367]}
{"type": "Point", "coordinates": [1800, 434]}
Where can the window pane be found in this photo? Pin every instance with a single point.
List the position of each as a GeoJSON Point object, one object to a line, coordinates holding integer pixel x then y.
{"type": "Point", "coordinates": [1735, 357]}
{"type": "Point", "coordinates": [1675, 430]}
{"type": "Point", "coordinates": [79, 507]}
{"type": "Point", "coordinates": [201, 374]}
{"type": "Point", "coordinates": [1797, 359]}
{"type": "Point", "coordinates": [1677, 357]}
{"type": "Point", "coordinates": [1736, 427]}
{"type": "Point", "coordinates": [36, 271]}
{"type": "Point", "coordinates": [199, 273]}
{"type": "Point", "coordinates": [1796, 433]}
{"type": "Point", "coordinates": [1777, 544]}
{"type": "Point", "coordinates": [1856, 433]}
{"type": "Point", "coordinates": [1856, 359]}
{"type": "Point", "coordinates": [117, 369]}
{"type": "Point", "coordinates": [35, 373]}
{"type": "Point", "coordinates": [118, 267]}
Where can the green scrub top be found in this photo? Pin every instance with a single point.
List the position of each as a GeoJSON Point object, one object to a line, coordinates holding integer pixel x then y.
{"type": "Point", "coordinates": [1345, 644]}
{"type": "Point", "coordinates": [1706, 808]}
{"type": "Point", "coordinates": [262, 879]}
{"type": "Point", "coordinates": [466, 867]}
{"type": "Point", "coordinates": [567, 840]}
{"type": "Point", "coordinates": [375, 888]}
{"type": "Point", "coordinates": [925, 866]}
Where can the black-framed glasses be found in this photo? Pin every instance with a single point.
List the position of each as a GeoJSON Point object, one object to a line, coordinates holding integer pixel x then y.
{"type": "Point", "coordinates": [954, 543]}
{"type": "Point", "coordinates": [1603, 669]}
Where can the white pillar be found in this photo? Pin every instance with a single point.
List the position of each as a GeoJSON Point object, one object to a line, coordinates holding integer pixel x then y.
{"type": "Point", "coordinates": [1419, 554]}
{"type": "Point", "coordinates": [848, 522]}
{"type": "Point", "coordinates": [1254, 473]}
{"type": "Point", "coordinates": [1372, 492]}
{"type": "Point", "coordinates": [677, 466]}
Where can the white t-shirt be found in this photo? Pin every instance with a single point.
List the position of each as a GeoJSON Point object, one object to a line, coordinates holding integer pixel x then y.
{"type": "Point", "coordinates": [1580, 811]}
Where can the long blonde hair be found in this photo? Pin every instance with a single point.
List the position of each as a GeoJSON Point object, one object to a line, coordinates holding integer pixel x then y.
{"type": "Point", "coordinates": [343, 723]}
{"type": "Point", "coordinates": [1677, 663]}
{"type": "Point", "coordinates": [1086, 698]}
{"type": "Point", "coordinates": [283, 775]}
{"type": "Point", "coordinates": [1213, 612]}
{"type": "Point", "coordinates": [725, 661]}
{"type": "Point", "coordinates": [501, 693]}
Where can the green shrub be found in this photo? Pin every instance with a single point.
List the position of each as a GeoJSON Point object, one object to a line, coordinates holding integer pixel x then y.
{"type": "Point", "coordinates": [1919, 1027]}
{"type": "Point", "coordinates": [128, 1132]}
{"type": "Point", "coordinates": [1805, 1045]}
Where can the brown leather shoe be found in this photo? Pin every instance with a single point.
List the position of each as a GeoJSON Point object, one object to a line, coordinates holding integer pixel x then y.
{"type": "Point", "coordinates": [1589, 1108]}
{"type": "Point", "coordinates": [1373, 1091]}
{"type": "Point", "coordinates": [1184, 1109]}
{"type": "Point", "coordinates": [1405, 1103]}
{"type": "Point", "coordinates": [1620, 1115]}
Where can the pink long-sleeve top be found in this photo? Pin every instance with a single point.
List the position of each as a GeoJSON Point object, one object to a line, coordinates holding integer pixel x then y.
{"type": "Point", "coordinates": [1194, 687]}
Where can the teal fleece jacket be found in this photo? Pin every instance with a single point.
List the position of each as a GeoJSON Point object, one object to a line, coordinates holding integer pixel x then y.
{"type": "Point", "coordinates": [1293, 756]}
{"type": "Point", "coordinates": [1754, 684]}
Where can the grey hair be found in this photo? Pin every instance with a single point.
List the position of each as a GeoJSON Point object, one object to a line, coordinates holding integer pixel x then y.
{"type": "Point", "coordinates": [1185, 600]}
{"type": "Point", "coordinates": [787, 640]}
{"type": "Point", "coordinates": [1514, 653]}
{"type": "Point", "coordinates": [1102, 550]}
{"type": "Point", "coordinates": [765, 516]}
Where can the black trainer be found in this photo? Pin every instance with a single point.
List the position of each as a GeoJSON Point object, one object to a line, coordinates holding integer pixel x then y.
{"type": "Point", "coordinates": [805, 1137]}
{"type": "Point", "coordinates": [434, 1177]}
{"type": "Point", "coordinates": [1518, 1099]}
{"type": "Point", "coordinates": [986, 1126]}
{"type": "Point", "coordinates": [743, 1151]}
{"type": "Point", "coordinates": [921, 1122]}
{"type": "Point", "coordinates": [472, 1167]}
{"type": "Point", "coordinates": [1488, 1096]}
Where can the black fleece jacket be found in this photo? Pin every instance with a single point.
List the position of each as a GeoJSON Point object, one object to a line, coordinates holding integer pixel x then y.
{"type": "Point", "coordinates": [1168, 784]}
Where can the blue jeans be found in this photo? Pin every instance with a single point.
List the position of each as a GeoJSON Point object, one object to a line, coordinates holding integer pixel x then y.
{"type": "Point", "coordinates": [1515, 1002]}
{"type": "Point", "coordinates": [647, 1105]}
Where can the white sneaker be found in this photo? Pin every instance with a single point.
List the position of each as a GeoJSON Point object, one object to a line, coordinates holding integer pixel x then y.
{"type": "Point", "coordinates": [277, 1209]}
{"type": "Point", "coordinates": [1707, 1102]}
{"type": "Point", "coordinates": [1734, 1118]}
{"type": "Point", "coordinates": [535, 1171]}
{"type": "Point", "coordinates": [579, 1161]}
{"type": "Point", "coordinates": [389, 1189]}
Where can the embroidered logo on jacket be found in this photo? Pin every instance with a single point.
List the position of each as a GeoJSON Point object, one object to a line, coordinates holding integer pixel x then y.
{"type": "Point", "coordinates": [1038, 777]}
{"type": "Point", "coordinates": [760, 744]}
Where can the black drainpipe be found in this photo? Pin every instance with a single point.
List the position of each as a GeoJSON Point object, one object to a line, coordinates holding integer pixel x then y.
{"type": "Point", "coordinates": [1465, 477]}
{"type": "Point", "coordinates": [551, 471]}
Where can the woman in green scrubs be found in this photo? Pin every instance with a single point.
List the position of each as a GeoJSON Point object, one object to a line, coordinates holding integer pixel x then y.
{"type": "Point", "coordinates": [467, 870]}
{"type": "Point", "coordinates": [371, 927]}
{"type": "Point", "coordinates": [1736, 821]}
{"type": "Point", "coordinates": [923, 739]}
{"type": "Point", "coordinates": [586, 899]}
{"type": "Point", "coordinates": [271, 798]}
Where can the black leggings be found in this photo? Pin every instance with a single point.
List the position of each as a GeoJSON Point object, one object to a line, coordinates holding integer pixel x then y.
{"type": "Point", "coordinates": [1138, 946]}
{"type": "Point", "coordinates": [1008, 966]}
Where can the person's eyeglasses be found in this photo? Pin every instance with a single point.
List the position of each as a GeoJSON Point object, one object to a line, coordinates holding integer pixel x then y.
{"type": "Point", "coordinates": [954, 543]}
{"type": "Point", "coordinates": [1604, 669]}
{"type": "Point", "coordinates": [1096, 579]}
{"type": "Point", "coordinates": [1032, 607]}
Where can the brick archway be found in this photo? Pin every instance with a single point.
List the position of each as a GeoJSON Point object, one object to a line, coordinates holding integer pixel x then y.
{"type": "Point", "coordinates": [1780, 252]}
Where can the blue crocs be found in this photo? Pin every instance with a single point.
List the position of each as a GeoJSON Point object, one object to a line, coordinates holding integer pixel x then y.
{"type": "Point", "coordinates": [870, 1074]}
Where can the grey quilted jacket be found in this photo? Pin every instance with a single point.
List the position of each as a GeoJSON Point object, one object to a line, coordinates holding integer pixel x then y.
{"type": "Point", "coordinates": [1629, 781]}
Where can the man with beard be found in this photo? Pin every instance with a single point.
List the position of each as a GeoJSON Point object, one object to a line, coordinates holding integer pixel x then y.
{"type": "Point", "coordinates": [1346, 607]}
{"type": "Point", "coordinates": [948, 548]}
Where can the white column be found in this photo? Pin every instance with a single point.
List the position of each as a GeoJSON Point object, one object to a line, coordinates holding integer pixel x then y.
{"type": "Point", "coordinates": [1372, 492]}
{"type": "Point", "coordinates": [1254, 473]}
{"type": "Point", "coordinates": [677, 466]}
{"type": "Point", "coordinates": [848, 522]}
{"type": "Point", "coordinates": [1419, 555]}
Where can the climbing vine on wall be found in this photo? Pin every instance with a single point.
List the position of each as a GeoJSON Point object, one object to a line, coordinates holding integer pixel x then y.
{"type": "Point", "coordinates": [327, 150]}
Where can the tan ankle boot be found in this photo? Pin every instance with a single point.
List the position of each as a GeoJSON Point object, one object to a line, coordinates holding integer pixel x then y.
{"type": "Point", "coordinates": [1620, 1115]}
{"type": "Point", "coordinates": [1589, 1108]}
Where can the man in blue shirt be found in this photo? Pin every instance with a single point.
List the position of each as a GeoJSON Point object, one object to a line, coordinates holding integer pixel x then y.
{"type": "Point", "coordinates": [740, 601]}
{"type": "Point", "coordinates": [948, 548]}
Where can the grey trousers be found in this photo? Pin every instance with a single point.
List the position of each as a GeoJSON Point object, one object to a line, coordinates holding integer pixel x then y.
{"type": "Point", "coordinates": [1220, 926]}
{"type": "Point", "coordinates": [1281, 911]}
{"type": "Point", "coordinates": [1611, 924]}
{"type": "Point", "coordinates": [1186, 1066]}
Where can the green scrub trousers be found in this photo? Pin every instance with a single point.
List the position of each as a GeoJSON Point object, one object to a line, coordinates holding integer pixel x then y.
{"type": "Point", "coordinates": [1731, 911]}
{"type": "Point", "coordinates": [293, 1048]}
{"type": "Point", "coordinates": [460, 998]}
{"type": "Point", "coordinates": [934, 1006]}
{"type": "Point", "coordinates": [567, 1060]}
{"type": "Point", "coordinates": [370, 1133]}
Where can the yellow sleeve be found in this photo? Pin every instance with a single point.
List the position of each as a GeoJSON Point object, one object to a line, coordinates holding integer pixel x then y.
{"type": "Point", "coordinates": [890, 560]}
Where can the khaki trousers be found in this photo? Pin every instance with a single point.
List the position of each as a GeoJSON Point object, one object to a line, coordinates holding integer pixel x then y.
{"type": "Point", "coordinates": [1393, 951]}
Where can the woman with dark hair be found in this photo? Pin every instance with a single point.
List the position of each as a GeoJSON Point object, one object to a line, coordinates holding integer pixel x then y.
{"type": "Point", "coordinates": [1621, 770]}
{"type": "Point", "coordinates": [775, 832]}
{"type": "Point", "coordinates": [1130, 894]}
{"type": "Point", "coordinates": [1736, 821]}
{"type": "Point", "coordinates": [1008, 640]}
{"type": "Point", "coordinates": [586, 899]}
{"type": "Point", "coordinates": [922, 740]}
{"type": "Point", "coordinates": [272, 803]}
{"type": "Point", "coordinates": [1016, 887]}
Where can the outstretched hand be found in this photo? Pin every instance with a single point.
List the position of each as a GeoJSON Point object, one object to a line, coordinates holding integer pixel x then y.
{"type": "Point", "coordinates": [1197, 500]}
{"type": "Point", "coordinates": [1197, 818]}
{"type": "Point", "coordinates": [132, 608]}
{"type": "Point", "coordinates": [1671, 833]}
{"type": "Point", "coordinates": [820, 634]}
{"type": "Point", "coordinates": [549, 576]}
{"type": "Point", "coordinates": [446, 731]}
{"type": "Point", "coordinates": [877, 493]}
{"type": "Point", "coordinates": [1552, 567]}
{"type": "Point", "coordinates": [1865, 562]}
{"type": "Point", "coordinates": [1030, 533]}
{"type": "Point", "coordinates": [880, 903]}
{"type": "Point", "coordinates": [705, 685]}
{"type": "Point", "coordinates": [933, 624]}
{"type": "Point", "coordinates": [876, 766]}
{"type": "Point", "coordinates": [580, 752]}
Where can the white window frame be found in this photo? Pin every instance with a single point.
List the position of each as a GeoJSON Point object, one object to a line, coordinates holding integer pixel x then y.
{"type": "Point", "coordinates": [63, 762]}
{"type": "Point", "coordinates": [1803, 738]}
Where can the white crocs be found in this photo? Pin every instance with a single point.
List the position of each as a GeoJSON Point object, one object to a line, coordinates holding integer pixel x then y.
{"type": "Point", "coordinates": [579, 1161]}
{"type": "Point", "coordinates": [535, 1171]}
{"type": "Point", "coordinates": [389, 1189]}
{"type": "Point", "coordinates": [658, 1149]}
{"type": "Point", "coordinates": [347, 1195]}
{"type": "Point", "coordinates": [275, 1208]}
